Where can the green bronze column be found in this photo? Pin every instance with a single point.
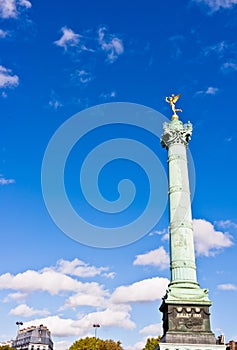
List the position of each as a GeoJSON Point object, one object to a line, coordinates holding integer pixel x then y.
{"type": "Point", "coordinates": [185, 307]}
{"type": "Point", "coordinates": [183, 268]}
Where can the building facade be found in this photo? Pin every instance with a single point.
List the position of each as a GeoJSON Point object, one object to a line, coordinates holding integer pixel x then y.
{"type": "Point", "coordinates": [33, 338]}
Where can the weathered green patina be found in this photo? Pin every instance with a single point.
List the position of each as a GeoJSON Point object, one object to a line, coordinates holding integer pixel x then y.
{"type": "Point", "coordinates": [185, 306]}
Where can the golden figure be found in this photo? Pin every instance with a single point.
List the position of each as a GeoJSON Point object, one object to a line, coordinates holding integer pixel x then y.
{"type": "Point", "coordinates": [172, 100]}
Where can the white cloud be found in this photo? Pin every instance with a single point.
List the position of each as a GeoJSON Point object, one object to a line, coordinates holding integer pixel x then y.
{"type": "Point", "coordinates": [219, 48]}
{"type": "Point", "coordinates": [54, 101]}
{"type": "Point", "coordinates": [110, 44]}
{"type": "Point", "coordinates": [226, 224]}
{"type": "Point", "coordinates": [62, 327]}
{"type": "Point", "coordinates": [227, 286]}
{"type": "Point", "coordinates": [24, 310]}
{"type": "Point", "coordinates": [84, 76]}
{"type": "Point", "coordinates": [4, 181]}
{"type": "Point", "coordinates": [108, 96]}
{"type": "Point", "coordinates": [46, 280]}
{"type": "Point", "coordinates": [12, 8]}
{"type": "Point", "coordinates": [8, 9]}
{"type": "Point", "coordinates": [216, 5]}
{"type": "Point", "coordinates": [229, 66]}
{"type": "Point", "coordinates": [111, 317]}
{"type": "Point", "coordinates": [158, 257]}
{"type": "Point", "coordinates": [3, 33]}
{"type": "Point", "coordinates": [95, 295]}
{"type": "Point", "coordinates": [62, 344]}
{"type": "Point", "coordinates": [4, 94]}
{"type": "Point", "coordinates": [55, 280]}
{"type": "Point", "coordinates": [69, 38]}
{"type": "Point", "coordinates": [164, 233]}
{"type": "Point", "coordinates": [109, 274]}
{"type": "Point", "coordinates": [153, 329]}
{"type": "Point", "coordinates": [207, 240]}
{"type": "Point", "coordinates": [80, 299]}
{"type": "Point", "coordinates": [25, 3]}
{"type": "Point", "coordinates": [55, 104]}
{"type": "Point", "coordinates": [79, 268]}
{"type": "Point", "coordinates": [137, 346]}
{"type": "Point", "coordinates": [7, 79]}
{"type": "Point", "coordinates": [146, 290]}
{"type": "Point", "coordinates": [209, 91]}
{"type": "Point", "coordinates": [18, 296]}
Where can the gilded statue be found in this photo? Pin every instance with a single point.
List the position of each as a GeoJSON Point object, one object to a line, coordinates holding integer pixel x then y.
{"type": "Point", "coordinates": [172, 100]}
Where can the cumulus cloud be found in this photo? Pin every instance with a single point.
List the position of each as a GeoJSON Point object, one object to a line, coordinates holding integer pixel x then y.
{"type": "Point", "coordinates": [57, 279]}
{"type": "Point", "coordinates": [110, 317]}
{"type": "Point", "coordinates": [228, 286]}
{"type": "Point", "coordinates": [215, 5]}
{"type": "Point", "coordinates": [7, 79]}
{"type": "Point", "coordinates": [207, 240]}
{"type": "Point", "coordinates": [60, 327]}
{"type": "Point", "coordinates": [30, 280]}
{"type": "Point", "coordinates": [146, 290]}
{"type": "Point", "coordinates": [46, 280]}
{"type": "Point", "coordinates": [62, 344]}
{"type": "Point", "coordinates": [68, 38]}
{"type": "Point", "coordinates": [12, 8]}
{"type": "Point", "coordinates": [55, 104]}
{"type": "Point", "coordinates": [3, 33]}
{"type": "Point", "coordinates": [24, 310]}
{"type": "Point", "coordinates": [164, 233]}
{"type": "Point", "coordinates": [3, 180]}
{"type": "Point", "coordinates": [78, 268]}
{"type": "Point", "coordinates": [138, 346]}
{"type": "Point", "coordinates": [84, 77]}
{"type": "Point", "coordinates": [158, 257]}
{"type": "Point", "coordinates": [209, 91]}
{"type": "Point", "coordinates": [79, 299]}
{"type": "Point", "coordinates": [63, 327]}
{"type": "Point", "coordinates": [25, 3]}
{"type": "Point", "coordinates": [107, 96]}
{"type": "Point", "coordinates": [18, 296]}
{"type": "Point", "coordinates": [226, 224]}
{"type": "Point", "coordinates": [229, 66]}
{"type": "Point", "coordinates": [110, 44]}
{"type": "Point", "coordinates": [153, 329]}
{"type": "Point", "coordinates": [219, 48]}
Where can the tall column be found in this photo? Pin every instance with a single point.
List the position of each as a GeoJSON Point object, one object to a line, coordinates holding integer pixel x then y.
{"type": "Point", "coordinates": [175, 139]}
{"type": "Point", "coordinates": [185, 307]}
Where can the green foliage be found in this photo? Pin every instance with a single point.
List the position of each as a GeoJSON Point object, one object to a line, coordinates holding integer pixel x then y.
{"type": "Point", "coordinates": [5, 347]}
{"type": "Point", "coordinates": [151, 343]}
{"type": "Point", "coordinates": [95, 344]}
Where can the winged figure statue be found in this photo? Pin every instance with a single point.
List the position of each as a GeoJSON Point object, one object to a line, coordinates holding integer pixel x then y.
{"type": "Point", "coordinates": [172, 100]}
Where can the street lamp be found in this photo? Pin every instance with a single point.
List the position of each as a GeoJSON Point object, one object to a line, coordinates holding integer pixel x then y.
{"type": "Point", "coordinates": [19, 324]}
{"type": "Point", "coordinates": [95, 326]}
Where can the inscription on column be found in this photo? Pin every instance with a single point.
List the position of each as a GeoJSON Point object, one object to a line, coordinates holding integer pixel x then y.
{"type": "Point", "coordinates": [188, 318]}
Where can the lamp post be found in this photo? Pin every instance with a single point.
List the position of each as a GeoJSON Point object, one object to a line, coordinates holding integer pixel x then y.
{"type": "Point", "coordinates": [19, 323]}
{"type": "Point", "coordinates": [95, 326]}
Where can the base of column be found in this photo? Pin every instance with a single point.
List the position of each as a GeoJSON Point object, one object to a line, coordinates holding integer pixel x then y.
{"type": "Point", "coordinates": [186, 323]}
{"type": "Point", "coordinates": [178, 346]}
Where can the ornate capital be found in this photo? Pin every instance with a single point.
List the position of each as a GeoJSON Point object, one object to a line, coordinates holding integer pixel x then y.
{"type": "Point", "coordinates": [176, 132]}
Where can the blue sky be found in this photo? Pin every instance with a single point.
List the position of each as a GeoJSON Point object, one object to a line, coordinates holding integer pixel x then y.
{"type": "Point", "coordinates": [60, 58]}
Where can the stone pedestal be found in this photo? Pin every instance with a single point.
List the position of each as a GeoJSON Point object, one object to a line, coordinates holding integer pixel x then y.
{"type": "Point", "coordinates": [178, 346]}
{"type": "Point", "coordinates": [187, 324]}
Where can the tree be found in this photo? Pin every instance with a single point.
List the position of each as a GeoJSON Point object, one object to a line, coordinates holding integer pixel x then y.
{"type": "Point", "coordinates": [5, 347]}
{"type": "Point", "coordinates": [151, 343]}
{"type": "Point", "coordinates": [92, 343]}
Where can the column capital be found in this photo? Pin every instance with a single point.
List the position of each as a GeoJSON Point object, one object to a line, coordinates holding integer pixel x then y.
{"type": "Point", "coordinates": [175, 132]}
